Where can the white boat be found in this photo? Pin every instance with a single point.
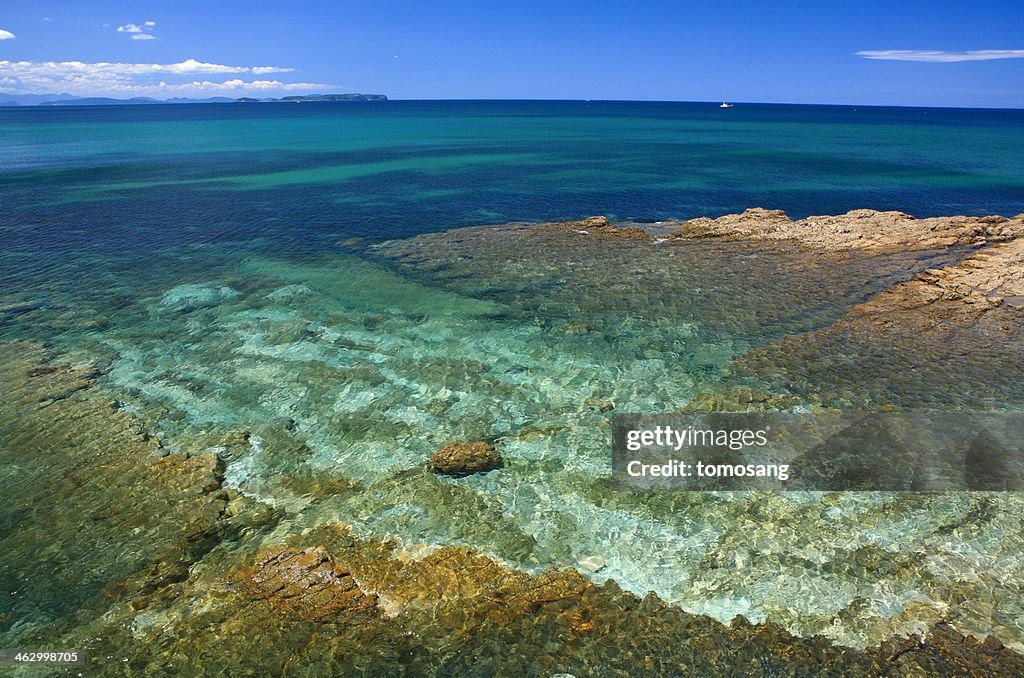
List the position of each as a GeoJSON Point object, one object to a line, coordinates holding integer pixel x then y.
{"type": "Point", "coordinates": [725, 104]}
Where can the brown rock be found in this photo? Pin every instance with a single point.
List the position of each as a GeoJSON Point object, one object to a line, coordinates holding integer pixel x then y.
{"type": "Point", "coordinates": [989, 278]}
{"type": "Point", "coordinates": [861, 229]}
{"type": "Point", "coordinates": [459, 458]}
{"type": "Point", "coordinates": [600, 226]}
{"type": "Point", "coordinates": [951, 335]}
{"type": "Point", "coordinates": [304, 584]}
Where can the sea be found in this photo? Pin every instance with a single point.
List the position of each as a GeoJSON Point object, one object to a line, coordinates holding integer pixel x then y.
{"type": "Point", "coordinates": [313, 275]}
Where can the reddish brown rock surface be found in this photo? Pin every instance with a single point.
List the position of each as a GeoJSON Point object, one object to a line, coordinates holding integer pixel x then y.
{"type": "Point", "coordinates": [304, 583]}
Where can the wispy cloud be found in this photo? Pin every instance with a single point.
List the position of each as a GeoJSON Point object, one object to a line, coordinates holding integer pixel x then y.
{"type": "Point", "coordinates": [143, 31]}
{"type": "Point", "coordinates": [6, 35]}
{"type": "Point", "coordinates": [937, 56]}
{"type": "Point", "coordinates": [263, 70]}
{"type": "Point", "coordinates": [140, 79]}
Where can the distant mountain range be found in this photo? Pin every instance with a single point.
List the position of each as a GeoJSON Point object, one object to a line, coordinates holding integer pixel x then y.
{"type": "Point", "coordinates": [69, 100]}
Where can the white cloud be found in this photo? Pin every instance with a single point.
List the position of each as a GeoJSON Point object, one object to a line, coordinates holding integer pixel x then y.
{"type": "Point", "coordinates": [243, 85]}
{"type": "Point", "coordinates": [6, 35]}
{"type": "Point", "coordinates": [139, 32]}
{"type": "Point", "coordinates": [263, 70]}
{"type": "Point", "coordinates": [937, 56]}
{"type": "Point", "coordinates": [139, 79]}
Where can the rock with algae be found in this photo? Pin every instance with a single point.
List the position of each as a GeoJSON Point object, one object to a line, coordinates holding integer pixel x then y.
{"type": "Point", "coordinates": [239, 599]}
{"type": "Point", "coordinates": [304, 583]}
{"type": "Point", "coordinates": [296, 607]}
{"type": "Point", "coordinates": [91, 505]}
{"type": "Point", "coordinates": [461, 458]}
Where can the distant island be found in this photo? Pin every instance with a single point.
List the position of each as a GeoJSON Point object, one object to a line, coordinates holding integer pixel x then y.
{"type": "Point", "coordinates": [69, 100]}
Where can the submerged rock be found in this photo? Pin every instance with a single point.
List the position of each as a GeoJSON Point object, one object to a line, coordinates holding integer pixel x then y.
{"type": "Point", "coordinates": [115, 510]}
{"type": "Point", "coordinates": [19, 307]}
{"type": "Point", "coordinates": [741, 399]}
{"type": "Point", "coordinates": [162, 582]}
{"type": "Point", "coordinates": [304, 583]}
{"type": "Point", "coordinates": [297, 607]}
{"type": "Point", "coordinates": [459, 458]}
{"type": "Point", "coordinates": [190, 296]}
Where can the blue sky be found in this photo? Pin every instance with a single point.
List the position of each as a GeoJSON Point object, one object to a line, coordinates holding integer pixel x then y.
{"type": "Point", "coordinates": [891, 53]}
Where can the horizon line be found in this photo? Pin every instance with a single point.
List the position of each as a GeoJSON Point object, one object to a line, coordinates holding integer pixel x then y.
{"type": "Point", "coordinates": [200, 101]}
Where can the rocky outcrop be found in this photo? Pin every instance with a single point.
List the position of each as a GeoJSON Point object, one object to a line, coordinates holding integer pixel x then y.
{"type": "Point", "coordinates": [304, 584]}
{"type": "Point", "coordinates": [992, 277]}
{"type": "Point", "coordinates": [601, 227]}
{"type": "Point", "coordinates": [950, 336]}
{"type": "Point", "coordinates": [460, 458]}
{"type": "Point", "coordinates": [862, 229]}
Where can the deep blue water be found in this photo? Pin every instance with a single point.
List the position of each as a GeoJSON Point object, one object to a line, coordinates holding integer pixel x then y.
{"type": "Point", "coordinates": [149, 176]}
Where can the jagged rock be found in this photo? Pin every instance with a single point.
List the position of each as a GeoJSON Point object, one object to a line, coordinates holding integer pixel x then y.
{"type": "Point", "coordinates": [755, 220]}
{"type": "Point", "coordinates": [990, 277]}
{"type": "Point", "coordinates": [600, 226]}
{"type": "Point", "coordinates": [304, 584]}
{"type": "Point", "coordinates": [951, 335]}
{"type": "Point", "coordinates": [459, 458]}
{"type": "Point", "coordinates": [861, 229]}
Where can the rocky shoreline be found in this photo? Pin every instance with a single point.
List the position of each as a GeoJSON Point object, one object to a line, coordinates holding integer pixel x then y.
{"type": "Point", "coordinates": [175, 573]}
{"type": "Point", "coordinates": [117, 545]}
{"type": "Point", "coordinates": [963, 318]}
{"type": "Point", "coordinates": [863, 229]}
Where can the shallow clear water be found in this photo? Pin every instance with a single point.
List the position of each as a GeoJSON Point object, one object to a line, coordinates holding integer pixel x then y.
{"type": "Point", "coordinates": [283, 270]}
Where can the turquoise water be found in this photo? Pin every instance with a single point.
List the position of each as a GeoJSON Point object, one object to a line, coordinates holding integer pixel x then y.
{"type": "Point", "coordinates": [286, 270]}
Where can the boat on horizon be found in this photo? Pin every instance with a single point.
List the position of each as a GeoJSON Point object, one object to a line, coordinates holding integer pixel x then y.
{"type": "Point", "coordinates": [725, 104]}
